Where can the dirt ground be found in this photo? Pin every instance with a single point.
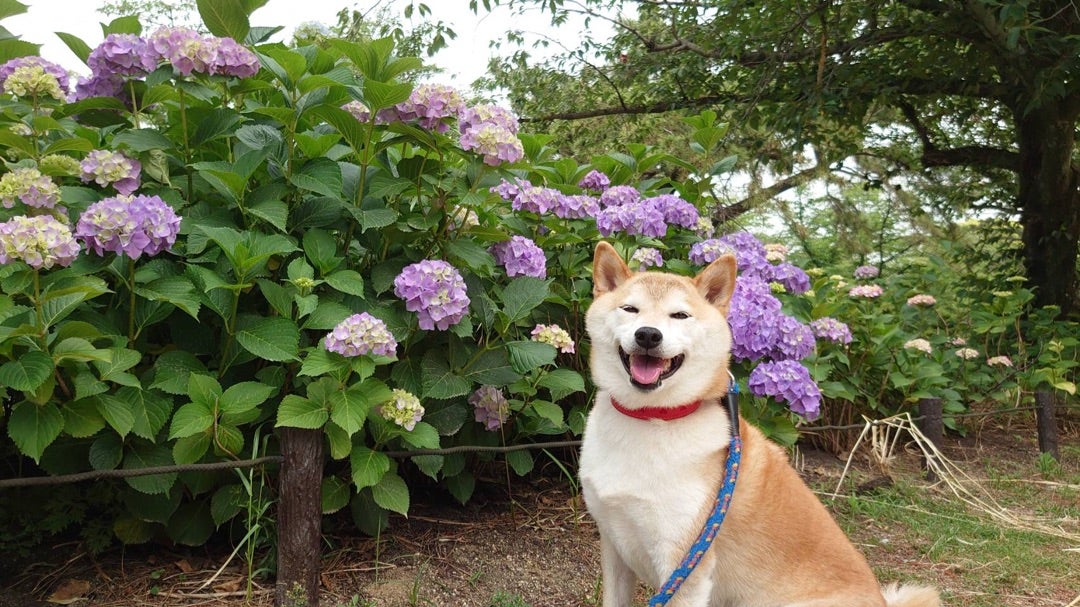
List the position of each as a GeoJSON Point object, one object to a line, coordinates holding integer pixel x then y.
{"type": "Point", "coordinates": [527, 544]}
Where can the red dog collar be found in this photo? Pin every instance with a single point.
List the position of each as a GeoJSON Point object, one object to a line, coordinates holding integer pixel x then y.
{"type": "Point", "coordinates": [663, 413]}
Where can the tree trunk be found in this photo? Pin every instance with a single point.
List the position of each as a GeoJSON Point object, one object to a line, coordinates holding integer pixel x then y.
{"type": "Point", "coordinates": [1049, 201]}
{"type": "Point", "coordinates": [299, 518]}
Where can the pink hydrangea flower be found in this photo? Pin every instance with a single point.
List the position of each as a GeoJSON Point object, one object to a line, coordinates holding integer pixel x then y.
{"type": "Point", "coordinates": [489, 407]}
{"type": "Point", "coordinates": [361, 334]}
{"type": "Point", "coordinates": [866, 291]}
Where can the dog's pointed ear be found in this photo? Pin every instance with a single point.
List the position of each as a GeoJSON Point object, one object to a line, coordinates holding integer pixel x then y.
{"type": "Point", "coordinates": [717, 281]}
{"type": "Point", "coordinates": [609, 270]}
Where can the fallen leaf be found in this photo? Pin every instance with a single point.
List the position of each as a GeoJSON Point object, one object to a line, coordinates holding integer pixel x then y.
{"type": "Point", "coordinates": [69, 592]}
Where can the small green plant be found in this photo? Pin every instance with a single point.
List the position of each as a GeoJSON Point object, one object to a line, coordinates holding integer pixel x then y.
{"type": "Point", "coordinates": [295, 596]}
{"type": "Point", "coordinates": [503, 598]}
{"type": "Point", "coordinates": [1048, 466]}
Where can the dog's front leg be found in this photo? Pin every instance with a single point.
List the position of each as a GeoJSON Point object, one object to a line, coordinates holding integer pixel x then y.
{"type": "Point", "coordinates": [618, 579]}
{"type": "Point", "coordinates": [696, 591]}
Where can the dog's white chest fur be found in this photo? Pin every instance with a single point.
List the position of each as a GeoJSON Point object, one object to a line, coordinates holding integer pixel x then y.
{"type": "Point", "coordinates": [643, 481]}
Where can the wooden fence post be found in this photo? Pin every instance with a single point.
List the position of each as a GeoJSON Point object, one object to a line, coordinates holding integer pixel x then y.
{"type": "Point", "coordinates": [299, 518]}
{"type": "Point", "coordinates": [930, 424]}
{"type": "Point", "coordinates": [1047, 426]}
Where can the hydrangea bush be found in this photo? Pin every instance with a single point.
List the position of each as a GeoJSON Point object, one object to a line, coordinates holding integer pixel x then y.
{"type": "Point", "coordinates": [205, 239]}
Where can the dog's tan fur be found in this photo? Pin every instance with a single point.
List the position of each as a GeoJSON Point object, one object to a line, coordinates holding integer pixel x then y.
{"type": "Point", "coordinates": [650, 485]}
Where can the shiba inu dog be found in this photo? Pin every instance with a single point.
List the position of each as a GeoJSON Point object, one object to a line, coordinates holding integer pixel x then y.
{"type": "Point", "coordinates": [654, 453]}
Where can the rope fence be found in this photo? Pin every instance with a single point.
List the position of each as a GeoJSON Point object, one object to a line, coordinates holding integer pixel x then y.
{"type": "Point", "coordinates": [61, 479]}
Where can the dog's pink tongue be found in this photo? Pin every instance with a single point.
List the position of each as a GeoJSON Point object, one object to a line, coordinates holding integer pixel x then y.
{"type": "Point", "coordinates": [646, 369]}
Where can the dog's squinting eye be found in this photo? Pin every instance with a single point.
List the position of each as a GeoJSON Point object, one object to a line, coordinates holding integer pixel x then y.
{"type": "Point", "coordinates": [680, 315]}
{"type": "Point", "coordinates": [629, 309]}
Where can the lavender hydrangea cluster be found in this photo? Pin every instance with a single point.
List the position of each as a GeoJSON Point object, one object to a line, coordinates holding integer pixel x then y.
{"type": "Point", "coordinates": [595, 180]}
{"type": "Point", "coordinates": [41, 242]}
{"type": "Point", "coordinates": [122, 56]}
{"type": "Point", "coordinates": [647, 257]}
{"type": "Point", "coordinates": [524, 196]}
{"type": "Point", "coordinates": [63, 81]}
{"type": "Point", "coordinates": [555, 336]}
{"type": "Point", "coordinates": [495, 143]}
{"type": "Point", "coordinates": [790, 382]}
{"type": "Point", "coordinates": [29, 186]}
{"type": "Point", "coordinates": [644, 216]}
{"type": "Point", "coordinates": [753, 260]}
{"type": "Point", "coordinates": [189, 52]}
{"type": "Point", "coordinates": [105, 167]}
{"type": "Point", "coordinates": [831, 329]}
{"type": "Point", "coordinates": [866, 272]}
{"type": "Point", "coordinates": [34, 77]}
{"type": "Point", "coordinates": [489, 407]}
{"type": "Point", "coordinates": [403, 409]}
{"type": "Point", "coordinates": [361, 334]}
{"type": "Point", "coordinates": [760, 330]}
{"type": "Point", "coordinates": [435, 291]}
{"type": "Point", "coordinates": [432, 106]}
{"type": "Point", "coordinates": [129, 225]}
{"type": "Point", "coordinates": [521, 257]}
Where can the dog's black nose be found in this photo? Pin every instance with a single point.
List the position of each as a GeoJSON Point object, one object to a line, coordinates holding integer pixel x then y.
{"type": "Point", "coordinates": [648, 337]}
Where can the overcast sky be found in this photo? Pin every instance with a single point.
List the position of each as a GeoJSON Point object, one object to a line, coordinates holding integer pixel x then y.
{"type": "Point", "coordinates": [465, 60]}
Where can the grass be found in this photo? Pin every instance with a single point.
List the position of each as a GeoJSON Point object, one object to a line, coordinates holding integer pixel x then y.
{"type": "Point", "coordinates": [912, 533]}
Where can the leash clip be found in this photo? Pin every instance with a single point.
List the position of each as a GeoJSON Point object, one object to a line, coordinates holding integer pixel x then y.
{"type": "Point", "coordinates": [733, 404]}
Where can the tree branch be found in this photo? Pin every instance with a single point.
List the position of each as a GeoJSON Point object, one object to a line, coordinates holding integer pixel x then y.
{"type": "Point", "coordinates": [968, 155]}
{"type": "Point", "coordinates": [731, 211]}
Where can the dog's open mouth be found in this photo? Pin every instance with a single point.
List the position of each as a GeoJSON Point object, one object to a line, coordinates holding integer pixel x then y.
{"type": "Point", "coordinates": [647, 372]}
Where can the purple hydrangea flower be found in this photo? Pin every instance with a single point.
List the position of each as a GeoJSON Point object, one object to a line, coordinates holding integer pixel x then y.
{"type": "Point", "coordinates": [435, 291]}
{"type": "Point", "coordinates": [707, 251]}
{"type": "Point", "coordinates": [129, 225]}
{"type": "Point", "coordinates": [749, 253]}
{"type": "Point", "coordinates": [794, 279]}
{"type": "Point", "coordinates": [535, 199]}
{"type": "Point", "coordinates": [53, 69]}
{"type": "Point", "coordinates": [105, 167]}
{"type": "Point", "coordinates": [865, 272]}
{"type": "Point", "coordinates": [831, 329]}
{"type": "Point", "coordinates": [576, 206]}
{"type": "Point", "coordinates": [647, 257]}
{"type": "Point", "coordinates": [28, 185]}
{"type": "Point", "coordinates": [490, 407]}
{"type": "Point", "coordinates": [358, 109]}
{"type": "Point", "coordinates": [494, 142]}
{"type": "Point", "coordinates": [676, 210]}
{"type": "Point", "coordinates": [619, 195]}
{"type": "Point", "coordinates": [643, 217]}
{"type": "Point", "coordinates": [123, 55]}
{"type": "Point", "coordinates": [40, 241]}
{"type": "Point", "coordinates": [594, 180]}
{"type": "Point", "coordinates": [759, 329]}
{"type": "Point", "coordinates": [361, 334]}
{"type": "Point", "coordinates": [99, 85]}
{"type": "Point", "coordinates": [521, 257]}
{"type": "Point", "coordinates": [787, 381]}
{"type": "Point", "coordinates": [232, 59]}
{"type": "Point", "coordinates": [487, 113]}
{"type": "Point", "coordinates": [509, 190]}
{"type": "Point", "coordinates": [431, 105]}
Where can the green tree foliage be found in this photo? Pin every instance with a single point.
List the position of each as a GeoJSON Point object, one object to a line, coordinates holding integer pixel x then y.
{"type": "Point", "coordinates": [978, 96]}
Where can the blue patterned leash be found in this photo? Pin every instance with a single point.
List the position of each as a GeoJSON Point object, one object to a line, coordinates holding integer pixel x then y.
{"type": "Point", "coordinates": [723, 500]}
